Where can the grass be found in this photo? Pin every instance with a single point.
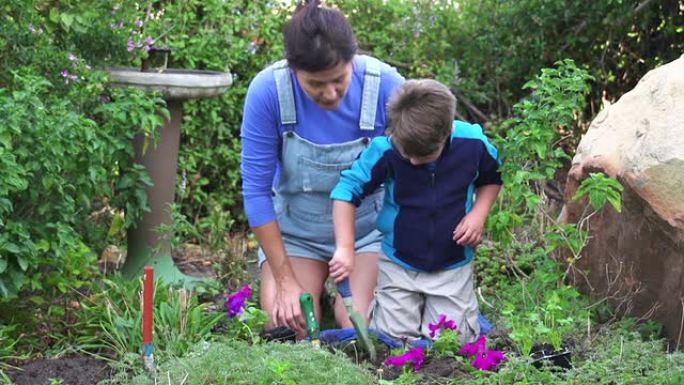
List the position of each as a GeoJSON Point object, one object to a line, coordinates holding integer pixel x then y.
{"type": "Point", "coordinates": [237, 362]}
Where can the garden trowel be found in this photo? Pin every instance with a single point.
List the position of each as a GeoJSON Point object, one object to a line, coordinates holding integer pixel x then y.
{"type": "Point", "coordinates": [357, 320]}
{"type": "Point", "coordinates": [312, 328]}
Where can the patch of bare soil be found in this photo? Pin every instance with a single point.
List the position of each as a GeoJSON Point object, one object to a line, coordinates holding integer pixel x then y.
{"type": "Point", "coordinates": [69, 370]}
{"type": "Point", "coordinates": [435, 370]}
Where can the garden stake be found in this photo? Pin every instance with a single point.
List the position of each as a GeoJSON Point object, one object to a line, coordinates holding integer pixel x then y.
{"type": "Point", "coordinates": [148, 306]}
{"type": "Point", "coordinates": [357, 320]}
{"type": "Point", "coordinates": [312, 328]}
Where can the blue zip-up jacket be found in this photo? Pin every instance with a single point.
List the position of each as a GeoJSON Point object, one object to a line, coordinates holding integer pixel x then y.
{"type": "Point", "coordinates": [423, 205]}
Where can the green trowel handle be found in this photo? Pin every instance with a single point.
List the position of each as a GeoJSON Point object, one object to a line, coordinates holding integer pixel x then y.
{"type": "Point", "coordinates": [306, 300]}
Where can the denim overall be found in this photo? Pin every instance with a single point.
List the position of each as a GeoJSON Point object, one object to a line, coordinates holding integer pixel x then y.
{"type": "Point", "coordinates": [309, 171]}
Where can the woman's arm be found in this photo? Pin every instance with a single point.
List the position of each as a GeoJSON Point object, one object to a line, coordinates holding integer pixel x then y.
{"type": "Point", "coordinates": [260, 147]}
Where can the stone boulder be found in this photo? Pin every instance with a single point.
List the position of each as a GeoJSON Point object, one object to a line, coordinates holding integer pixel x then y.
{"type": "Point", "coordinates": [636, 258]}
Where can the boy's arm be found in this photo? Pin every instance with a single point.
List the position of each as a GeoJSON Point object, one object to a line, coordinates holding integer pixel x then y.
{"type": "Point", "coordinates": [364, 177]}
{"type": "Point", "coordinates": [485, 199]}
{"type": "Point", "coordinates": [342, 263]}
{"type": "Point", "coordinates": [469, 230]}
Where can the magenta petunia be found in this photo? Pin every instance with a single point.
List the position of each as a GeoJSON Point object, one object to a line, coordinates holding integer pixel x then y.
{"type": "Point", "coordinates": [442, 323]}
{"type": "Point", "coordinates": [471, 349]}
{"type": "Point", "coordinates": [485, 359]}
{"type": "Point", "coordinates": [236, 301]}
{"type": "Point", "coordinates": [488, 359]}
{"type": "Point", "coordinates": [415, 356]}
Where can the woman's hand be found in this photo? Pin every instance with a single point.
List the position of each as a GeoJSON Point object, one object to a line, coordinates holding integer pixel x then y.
{"type": "Point", "coordinates": [287, 310]}
{"type": "Point", "coordinates": [342, 263]}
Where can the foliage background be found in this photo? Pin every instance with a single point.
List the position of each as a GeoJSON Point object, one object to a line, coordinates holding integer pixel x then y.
{"type": "Point", "coordinates": [68, 186]}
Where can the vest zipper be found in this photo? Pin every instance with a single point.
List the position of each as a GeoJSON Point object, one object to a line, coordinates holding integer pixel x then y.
{"type": "Point", "coordinates": [432, 215]}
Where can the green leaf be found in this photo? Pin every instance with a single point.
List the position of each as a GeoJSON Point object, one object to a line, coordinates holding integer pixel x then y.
{"type": "Point", "coordinates": [116, 226]}
{"type": "Point", "coordinates": [67, 20]}
{"type": "Point", "coordinates": [23, 263]}
{"type": "Point", "coordinates": [11, 247]}
{"type": "Point", "coordinates": [54, 15]}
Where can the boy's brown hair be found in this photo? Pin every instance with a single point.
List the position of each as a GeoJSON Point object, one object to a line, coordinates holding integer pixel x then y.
{"type": "Point", "coordinates": [421, 115]}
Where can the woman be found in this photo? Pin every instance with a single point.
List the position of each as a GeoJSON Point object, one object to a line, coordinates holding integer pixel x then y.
{"type": "Point", "coordinates": [305, 119]}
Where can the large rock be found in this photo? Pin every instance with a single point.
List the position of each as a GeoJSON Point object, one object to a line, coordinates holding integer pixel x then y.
{"type": "Point", "coordinates": [636, 258]}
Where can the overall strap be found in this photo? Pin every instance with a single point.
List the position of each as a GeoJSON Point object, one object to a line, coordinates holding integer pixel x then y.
{"type": "Point", "coordinates": [281, 72]}
{"type": "Point", "coordinates": [371, 92]}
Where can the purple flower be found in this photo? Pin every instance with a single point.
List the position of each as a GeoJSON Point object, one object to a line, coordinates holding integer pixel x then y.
{"type": "Point", "coordinates": [67, 76]}
{"type": "Point", "coordinates": [131, 44]}
{"type": "Point", "coordinates": [72, 57]}
{"type": "Point", "coordinates": [442, 323]}
{"type": "Point", "coordinates": [472, 349]}
{"type": "Point", "coordinates": [147, 44]}
{"type": "Point", "coordinates": [415, 356]}
{"type": "Point", "coordinates": [485, 359]}
{"type": "Point", "coordinates": [488, 359]}
{"type": "Point", "coordinates": [236, 301]}
{"type": "Point", "coordinates": [138, 23]}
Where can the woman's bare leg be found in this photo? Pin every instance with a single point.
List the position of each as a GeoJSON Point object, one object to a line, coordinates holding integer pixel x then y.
{"type": "Point", "coordinates": [363, 281]}
{"type": "Point", "coordinates": [311, 275]}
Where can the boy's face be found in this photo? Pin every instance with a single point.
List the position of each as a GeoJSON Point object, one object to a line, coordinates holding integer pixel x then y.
{"type": "Point", "coordinates": [327, 87]}
{"type": "Point", "coordinates": [420, 160]}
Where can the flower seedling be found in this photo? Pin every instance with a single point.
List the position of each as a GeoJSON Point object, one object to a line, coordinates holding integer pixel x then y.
{"type": "Point", "coordinates": [443, 323]}
{"type": "Point", "coordinates": [416, 356]}
{"type": "Point", "coordinates": [236, 301]}
{"type": "Point", "coordinates": [485, 359]}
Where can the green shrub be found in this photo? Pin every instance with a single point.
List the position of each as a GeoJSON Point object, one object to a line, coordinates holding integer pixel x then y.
{"type": "Point", "coordinates": [65, 144]}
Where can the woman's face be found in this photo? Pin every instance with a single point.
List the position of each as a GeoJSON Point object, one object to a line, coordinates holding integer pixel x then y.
{"type": "Point", "coordinates": [326, 87]}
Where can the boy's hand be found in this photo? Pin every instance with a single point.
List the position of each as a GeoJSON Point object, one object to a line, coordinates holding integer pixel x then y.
{"type": "Point", "coordinates": [342, 263]}
{"type": "Point", "coordinates": [469, 230]}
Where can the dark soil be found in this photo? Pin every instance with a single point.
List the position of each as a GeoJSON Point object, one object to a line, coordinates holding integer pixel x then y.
{"type": "Point", "coordinates": [435, 370]}
{"type": "Point", "coordinates": [70, 370]}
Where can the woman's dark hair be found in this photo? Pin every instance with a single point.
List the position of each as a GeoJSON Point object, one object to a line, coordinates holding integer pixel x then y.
{"type": "Point", "coordinates": [318, 38]}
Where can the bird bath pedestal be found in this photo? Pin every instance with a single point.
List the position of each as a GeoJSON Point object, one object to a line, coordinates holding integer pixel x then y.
{"type": "Point", "coordinates": [146, 246]}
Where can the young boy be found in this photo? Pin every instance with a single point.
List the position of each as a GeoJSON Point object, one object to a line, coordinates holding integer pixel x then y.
{"type": "Point", "coordinates": [432, 168]}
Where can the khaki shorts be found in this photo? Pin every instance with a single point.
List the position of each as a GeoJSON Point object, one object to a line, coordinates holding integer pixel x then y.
{"type": "Point", "coordinates": [407, 301]}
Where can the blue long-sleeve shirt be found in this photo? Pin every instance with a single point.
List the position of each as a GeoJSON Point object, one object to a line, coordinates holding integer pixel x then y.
{"type": "Point", "coordinates": [424, 204]}
{"type": "Point", "coordinates": [262, 131]}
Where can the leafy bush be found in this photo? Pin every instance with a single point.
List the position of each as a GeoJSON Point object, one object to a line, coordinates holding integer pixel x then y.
{"type": "Point", "coordinates": [66, 148]}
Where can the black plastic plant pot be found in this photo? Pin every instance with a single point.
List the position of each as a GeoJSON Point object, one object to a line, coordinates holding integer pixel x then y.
{"type": "Point", "coordinates": [557, 358]}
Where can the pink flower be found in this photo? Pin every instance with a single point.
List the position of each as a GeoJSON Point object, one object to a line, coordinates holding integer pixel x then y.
{"type": "Point", "coordinates": [485, 359]}
{"type": "Point", "coordinates": [67, 76]}
{"type": "Point", "coordinates": [147, 44]}
{"type": "Point", "coordinates": [236, 301]}
{"type": "Point", "coordinates": [488, 359]}
{"type": "Point", "coordinates": [415, 356]}
{"type": "Point", "coordinates": [442, 323]}
{"type": "Point", "coordinates": [471, 349]}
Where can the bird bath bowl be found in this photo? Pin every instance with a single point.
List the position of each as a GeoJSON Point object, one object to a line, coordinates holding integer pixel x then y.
{"type": "Point", "coordinates": [146, 246]}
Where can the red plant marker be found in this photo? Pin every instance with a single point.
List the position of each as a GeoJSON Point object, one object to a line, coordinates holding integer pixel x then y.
{"type": "Point", "coordinates": [148, 317]}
